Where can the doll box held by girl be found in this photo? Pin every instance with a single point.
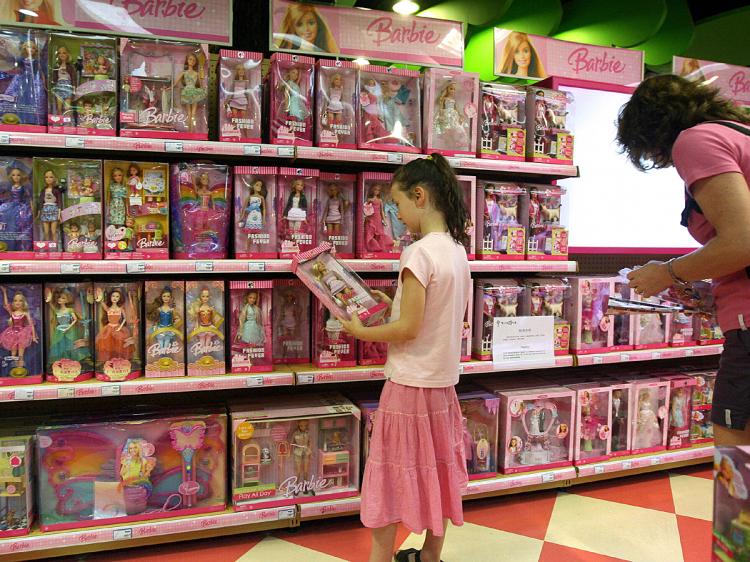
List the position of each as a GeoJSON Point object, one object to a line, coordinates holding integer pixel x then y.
{"type": "Point", "coordinates": [293, 451]}
{"type": "Point", "coordinates": [339, 288]}
{"type": "Point", "coordinates": [468, 185]}
{"type": "Point", "coordinates": [547, 136]}
{"type": "Point", "coordinates": [623, 402]}
{"type": "Point", "coordinates": [296, 226]}
{"type": "Point", "coordinates": [291, 322]}
{"type": "Point", "coordinates": [501, 221]}
{"type": "Point", "coordinates": [82, 84]}
{"type": "Point", "coordinates": [547, 238]}
{"type": "Point", "coordinates": [650, 415]}
{"type": "Point", "coordinates": [205, 328]}
{"type": "Point", "coordinates": [592, 327]}
{"type": "Point", "coordinates": [335, 96]}
{"type": "Point", "coordinates": [163, 89]}
{"type": "Point", "coordinates": [251, 333]}
{"type": "Point", "coordinates": [450, 112]}
{"type": "Point", "coordinates": [680, 410]}
{"type": "Point", "coordinates": [336, 195]}
{"type": "Point", "coordinates": [136, 210]}
{"type": "Point", "coordinates": [290, 93]}
{"type": "Point", "coordinates": [240, 87]}
{"type": "Point", "coordinates": [23, 82]}
{"type": "Point", "coordinates": [502, 122]}
{"type": "Point", "coordinates": [332, 346]}
{"type": "Point", "coordinates": [380, 233]}
{"type": "Point", "coordinates": [16, 485]}
{"type": "Point", "coordinates": [255, 203]}
{"type": "Point", "coordinates": [123, 471]}
{"type": "Point", "coordinates": [593, 438]}
{"type": "Point", "coordinates": [21, 334]}
{"type": "Point", "coordinates": [494, 298]}
{"type": "Point", "coordinates": [118, 340]}
{"type": "Point", "coordinates": [480, 425]}
{"type": "Point", "coordinates": [16, 215]}
{"type": "Point", "coordinates": [165, 328]}
{"type": "Point", "coordinates": [375, 353]}
{"type": "Point", "coordinates": [69, 331]}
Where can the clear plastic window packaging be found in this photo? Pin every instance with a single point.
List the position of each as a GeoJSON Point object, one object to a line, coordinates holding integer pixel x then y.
{"type": "Point", "coordinates": [680, 410]}
{"type": "Point", "coordinates": [69, 331]}
{"type": "Point", "coordinates": [335, 104]}
{"type": "Point", "coordinates": [255, 212]}
{"type": "Point", "coordinates": [375, 353]}
{"type": "Point", "coordinates": [701, 428]}
{"type": "Point", "coordinates": [707, 329]}
{"type": "Point", "coordinates": [240, 96]}
{"type": "Point", "coordinates": [200, 195]}
{"type": "Point", "coordinates": [468, 185]}
{"type": "Point", "coordinates": [593, 437]}
{"type": "Point", "coordinates": [332, 346]}
{"type": "Point", "coordinates": [480, 412]}
{"type": "Point", "coordinates": [296, 228]}
{"type": "Point", "coordinates": [251, 334]}
{"type": "Point", "coordinates": [468, 330]}
{"type": "Point", "coordinates": [650, 331]}
{"type": "Point", "coordinates": [205, 328]}
{"type": "Point", "coordinates": [136, 210]}
{"type": "Point", "coordinates": [731, 513]}
{"type": "Point", "coordinates": [290, 92]}
{"type": "Point", "coordinates": [68, 208]}
{"type": "Point", "coordinates": [21, 334]}
{"type": "Point", "coordinates": [494, 298]}
{"type": "Point", "coordinates": [591, 330]}
{"type": "Point", "coordinates": [336, 196]}
{"type": "Point", "coordinates": [501, 221]}
{"type": "Point", "coordinates": [502, 122]}
{"type": "Point", "coordinates": [623, 402]}
{"type": "Point", "coordinates": [682, 330]}
{"type": "Point", "coordinates": [380, 233]}
{"type": "Point", "coordinates": [291, 322]}
{"type": "Point", "coordinates": [451, 100]}
{"type": "Point", "coordinates": [536, 429]}
{"type": "Point", "coordinates": [16, 485]}
{"type": "Point", "coordinates": [547, 238]}
{"type": "Point", "coordinates": [82, 84]}
{"type": "Point", "coordinates": [16, 204]}
{"type": "Point", "coordinates": [165, 328]}
{"type": "Point", "coordinates": [389, 109]}
{"type": "Point", "coordinates": [293, 451]}
{"type": "Point", "coordinates": [138, 469]}
{"type": "Point", "coordinates": [548, 138]}
{"type": "Point", "coordinates": [163, 89]}
{"type": "Point", "coordinates": [118, 342]}
{"type": "Point", "coordinates": [23, 80]}
{"type": "Point", "coordinates": [622, 324]}
{"type": "Point", "coordinates": [548, 297]}
{"type": "Point", "coordinates": [650, 415]}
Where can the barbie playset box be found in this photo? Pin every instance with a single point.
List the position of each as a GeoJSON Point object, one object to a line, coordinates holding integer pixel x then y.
{"type": "Point", "coordinates": [480, 412]}
{"type": "Point", "coordinates": [501, 222]}
{"type": "Point", "coordinates": [547, 238]}
{"type": "Point", "coordinates": [547, 297]}
{"type": "Point", "coordinates": [593, 423]}
{"type": "Point", "coordinates": [450, 112]}
{"type": "Point", "coordinates": [587, 309]}
{"type": "Point", "coordinates": [16, 485]}
{"type": "Point", "coordinates": [294, 450]}
{"type": "Point", "coordinates": [336, 196]}
{"type": "Point", "coordinates": [494, 298]}
{"type": "Point", "coordinates": [335, 98]}
{"type": "Point", "coordinates": [297, 232]}
{"type": "Point", "coordinates": [548, 138]}
{"type": "Point", "coordinates": [250, 304]}
{"type": "Point", "coordinates": [69, 331]}
{"type": "Point", "coordinates": [21, 335]}
{"type": "Point", "coordinates": [468, 186]}
{"type": "Point", "coordinates": [503, 122]}
{"type": "Point", "coordinates": [255, 212]}
{"type": "Point", "coordinates": [291, 322]}
{"type": "Point", "coordinates": [240, 87]}
{"type": "Point", "coordinates": [23, 86]}
{"type": "Point", "coordinates": [118, 343]}
{"type": "Point", "coordinates": [701, 427]}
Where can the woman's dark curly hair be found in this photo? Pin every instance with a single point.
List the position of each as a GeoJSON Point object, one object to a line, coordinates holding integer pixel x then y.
{"type": "Point", "coordinates": [661, 108]}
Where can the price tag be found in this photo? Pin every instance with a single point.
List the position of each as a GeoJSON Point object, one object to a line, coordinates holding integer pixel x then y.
{"type": "Point", "coordinates": [256, 266]}
{"type": "Point", "coordinates": [251, 150]}
{"type": "Point", "coordinates": [656, 355]}
{"type": "Point", "coordinates": [624, 357]}
{"type": "Point", "coordinates": [75, 142]}
{"type": "Point", "coordinates": [599, 469]}
{"type": "Point", "coordinates": [111, 390]}
{"type": "Point", "coordinates": [66, 392]}
{"type": "Point", "coordinates": [655, 461]}
{"type": "Point", "coordinates": [173, 146]}
{"type": "Point", "coordinates": [305, 378]}
{"type": "Point", "coordinates": [395, 158]}
{"type": "Point", "coordinates": [4, 138]}
{"type": "Point", "coordinates": [23, 394]}
{"type": "Point", "coordinates": [627, 465]}
{"type": "Point", "coordinates": [460, 369]}
{"type": "Point", "coordinates": [598, 359]}
{"type": "Point", "coordinates": [204, 266]}
{"type": "Point", "coordinates": [122, 534]}
{"type": "Point", "coordinates": [548, 477]}
{"type": "Point", "coordinates": [70, 268]}
{"type": "Point", "coordinates": [688, 352]}
{"type": "Point", "coordinates": [287, 151]}
{"type": "Point", "coordinates": [287, 513]}
{"type": "Point", "coordinates": [135, 267]}
{"type": "Point", "coordinates": [256, 380]}
{"type": "Point", "coordinates": [4, 267]}
{"type": "Point", "coordinates": [395, 266]}
{"type": "Point", "coordinates": [454, 162]}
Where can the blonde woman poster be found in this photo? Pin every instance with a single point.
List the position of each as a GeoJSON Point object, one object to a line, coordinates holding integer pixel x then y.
{"type": "Point", "coordinates": [48, 12]}
{"type": "Point", "coordinates": [520, 58]}
{"type": "Point", "coordinates": [304, 29]}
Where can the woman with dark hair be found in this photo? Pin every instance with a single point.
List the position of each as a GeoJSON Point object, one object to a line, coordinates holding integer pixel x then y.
{"type": "Point", "coordinates": [671, 121]}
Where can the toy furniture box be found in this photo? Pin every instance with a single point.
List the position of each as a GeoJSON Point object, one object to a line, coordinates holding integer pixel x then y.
{"type": "Point", "coordinates": [547, 136]}
{"type": "Point", "coordinates": [593, 413]}
{"type": "Point", "coordinates": [501, 221]}
{"type": "Point", "coordinates": [16, 486]}
{"type": "Point", "coordinates": [536, 429]}
{"type": "Point", "coordinates": [680, 410]}
{"type": "Point", "coordinates": [21, 335]}
{"type": "Point", "coordinates": [468, 185]}
{"type": "Point", "coordinates": [623, 402]}
{"type": "Point", "coordinates": [296, 229]}
{"type": "Point", "coordinates": [650, 331]}
{"type": "Point", "coordinates": [701, 428]}
{"type": "Point", "coordinates": [375, 353]}
{"type": "Point", "coordinates": [255, 205]}
{"type": "Point", "coordinates": [547, 238]}
{"type": "Point", "coordinates": [138, 469]}
{"type": "Point", "coordinates": [165, 328]}
{"type": "Point", "coordinates": [591, 331]}
{"type": "Point", "coordinates": [335, 202]}
{"type": "Point", "coordinates": [450, 112]}
{"type": "Point", "coordinates": [251, 338]}
{"type": "Point", "coordinates": [380, 233]}
{"type": "Point", "coordinates": [23, 94]}
{"type": "Point", "coordinates": [289, 91]}
{"type": "Point", "coordinates": [650, 415]}
{"type": "Point", "coordinates": [240, 86]}
{"type": "Point", "coordinates": [731, 517]}
{"type": "Point", "coordinates": [493, 298]}
{"type": "Point", "coordinates": [480, 412]}
{"type": "Point", "coordinates": [335, 104]}
{"type": "Point", "coordinates": [291, 322]}
{"type": "Point", "coordinates": [331, 345]}
{"type": "Point", "coordinates": [502, 122]}
{"type": "Point", "coordinates": [205, 328]}
{"type": "Point", "coordinates": [548, 297]}
{"type": "Point", "coordinates": [296, 450]}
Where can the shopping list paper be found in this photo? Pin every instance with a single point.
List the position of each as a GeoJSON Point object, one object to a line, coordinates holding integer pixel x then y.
{"type": "Point", "coordinates": [523, 342]}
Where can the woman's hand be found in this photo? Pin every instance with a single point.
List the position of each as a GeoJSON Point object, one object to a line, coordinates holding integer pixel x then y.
{"type": "Point", "coordinates": [352, 327]}
{"type": "Point", "coordinates": [382, 297]}
{"type": "Point", "coordinates": [650, 279]}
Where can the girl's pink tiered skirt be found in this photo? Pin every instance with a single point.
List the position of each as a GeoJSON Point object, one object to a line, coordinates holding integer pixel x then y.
{"type": "Point", "coordinates": [416, 470]}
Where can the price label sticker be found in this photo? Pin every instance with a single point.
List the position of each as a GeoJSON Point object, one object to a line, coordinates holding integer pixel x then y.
{"type": "Point", "coordinates": [70, 268]}
{"type": "Point", "coordinates": [655, 461]}
{"type": "Point", "coordinates": [4, 267]}
{"type": "Point", "coordinates": [624, 357]}
{"type": "Point", "coordinates": [548, 477]}
{"type": "Point", "coordinates": [173, 146]}
{"type": "Point", "coordinates": [395, 158]}
{"type": "Point", "coordinates": [204, 266]}
{"type": "Point", "coordinates": [75, 142]}
{"type": "Point", "coordinates": [599, 469]}
{"type": "Point", "coordinates": [454, 162]}
{"type": "Point", "coordinates": [251, 150]}
{"type": "Point", "coordinates": [23, 394]}
{"type": "Point", "coordinates": [122, 534]}
{"type": "Point", "coordinates": [4, 138]}
{"type": "Point", "coordinates": [656, 355]}
{"type": "Point", "coordinates": [66, 392]}
{"type": "Point", "coordinates": [598, 359]}
{"type": "Point", "coordinates": [256, 266]}
{"type": "Point", "coordinates": [395, 266]}
{"type": "Point", "coordinates": [627, 465]}
{"type": "Point", "coordinates": [256, 380]}
{"type": "Point", "coordinates": [285, 151]}
{"type": "Point", "coordinates": [111, 390]}
{"type": "Point", "coordinates": [287, 513]}
{"type": "Point", "coordinates": [460, 369]}
{"type": "Point", "coordinates": [135, 267]}
{"type": "Point", "coordinates": [688, 352]}
{"type": "Point", "coordinates": [305, 378]}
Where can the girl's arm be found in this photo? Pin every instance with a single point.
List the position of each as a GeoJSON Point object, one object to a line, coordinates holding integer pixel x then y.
{"type": "Point", "coordinates": [409, 324]}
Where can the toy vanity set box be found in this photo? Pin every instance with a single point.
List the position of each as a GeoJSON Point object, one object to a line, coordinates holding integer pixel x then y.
{"type": "Point", "coordinates": [240, 98]}
{"type": "Point", "coordinates": [16, 485]}
{"type": "Point", "coordinates": [375, 352]}
{"type": "Point", "coordinates": [165, 328]}
{"type": "Point", "coordinates": [547, 239]}
{"type": "Point", "coordinates": [291, 322]}
{"type": "Point", "coordinates": [69, 331]}
{"type": "Point", "coordinates": [290, 97]}
{"type": "Point", "coordinates": [296, 227]}
{"type": "Point", "coordinates": [548, 297]}
{"type": "Point", "coordinates": [23, 80]}
{"type": "Point", "coordinates": [450, 112]}
{"type": "Point", "coordinates": [255, 212]}
{"type": "Point", "coordinates": [336, 196]}
{"type": "Point", "coordinates": [731, 515]}
{"type": "Point", "coordinates": [335, 95]}
{"type": "Point", "coordinates": [501, 221]}
{"type": "Point", "coordinates": [293, 451]}
{"type": "Point", "coordinates": [16, 208]}
{"type": "Point", "coordinates": [480, 412]}
{"type": "Point", "coordinates": [493, 298]}
{"type": "Point", "coordinates": [502, 122]}
{"type": "Point", "coordinates": [117, 343]}
{"type": "Point", "coordinates": [204, 328]}
{"type": "Point", "coordinates": [122, 471]}
{"type": "Point", "coordinates": [547, 137]}
{"type": "Point", "coordinates": [250, 335]}
{"type": "Point", "coordinates": [21, 334]}
{"type": "Point", "coordinates": [163, 89]}
{"type": "Point", "coordinates": [593, 422]}
{"type": "Point", "coordinates": [380, 233]}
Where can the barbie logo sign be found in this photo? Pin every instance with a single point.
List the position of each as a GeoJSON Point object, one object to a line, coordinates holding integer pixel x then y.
{"type": "Point", "coordinates": [733, 81]}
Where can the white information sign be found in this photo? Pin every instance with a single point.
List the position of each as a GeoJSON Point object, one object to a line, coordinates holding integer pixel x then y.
{"type": "Point", "coordinates": [525, 341]}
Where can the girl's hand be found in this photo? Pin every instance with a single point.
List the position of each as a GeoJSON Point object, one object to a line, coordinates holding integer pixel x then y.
{"type": "Point", "coordinates": [382, 297]}
{"type": "Point", "coordinates": [651, 279]}
{"type": "Point", "coordinates": [353, 326]}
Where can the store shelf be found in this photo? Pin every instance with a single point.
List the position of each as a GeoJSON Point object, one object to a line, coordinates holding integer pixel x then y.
{"type": "Point", "coordinates": [555, 478]}
{"type": "Point", "coordinates": [648, 355]}
{"type": "Point", "coordinates": [523, 266]}
{"type": "Point", "coordinates": [116, 537]}
{"type": "Point", "coordinates": [622, 466]}
{"type": "Point", "coordinates": [330, 508]}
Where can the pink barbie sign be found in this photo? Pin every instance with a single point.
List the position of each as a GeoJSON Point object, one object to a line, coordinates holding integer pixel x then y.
{"type": "Point", "coordinates": [733, 81]}
{"type": "Point", "coordinates": [205, 21]}
{"type": "Point", "coordinates": [351, 32]}
{"type": "Point", "coordinates": [524, 55]}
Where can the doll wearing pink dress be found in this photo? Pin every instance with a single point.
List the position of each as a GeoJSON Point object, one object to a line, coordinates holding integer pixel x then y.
{"type": "Point", "coordinates": [376, 238]}
{"type": "Point", "coordinates": [20, 333]}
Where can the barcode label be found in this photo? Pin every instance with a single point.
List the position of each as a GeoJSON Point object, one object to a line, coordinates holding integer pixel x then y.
{"type": "Point", "coordinates": [173, 146]}
{"type": "Point", "coordinates": [254, 381]}
{"type": "Point", "coordinates": [286, 151]}
{"type": "Point", "coordinates": [4, 267]}
{"type": "Point", "coordinates": [624, 357]}
{"type": "Point", "coordinates": [122, 534]}
{"type": "Point", "coordinates": [111, 390]}
{"type": "Point", "coordinates": [75, 142]}
{"type": "Point", "coordinates": [256, 266]}
{"type": "Point", "coordinates": [204, 266]}
{"type": "Point", "coordinates": [23, 394]}
{"type": "Point", "coordinates": [251, 150]}
{"type": "Point", "coordinates": [395, 158]}
{"type": "Point", "coordinates": [4, 138]}
{"type": "Point", "coordinates": [655, 460]}
{"type": "Point", "coordinates": [598, 469]}
{"type": "Point", "coordinates": [598, 359]}
{"type": "Point", "coordinates": [627, 465]}
{"type": "Point", "coordinates": [66, 392]}
{"type": "Point", "coordinates": [656, 355]}
{"type": "Point", "coordinates": [287, 513]}
{"type": "Point", "coordinates": [688, 352]}
{"type": "Point", "coordinates": [548, 477]}
{"type": "Point", "coordinates": [70, 268]}
{"type": "Point", "coordinates": [135, 266]}
{"type": "Point", "coordinates": [305, 378]}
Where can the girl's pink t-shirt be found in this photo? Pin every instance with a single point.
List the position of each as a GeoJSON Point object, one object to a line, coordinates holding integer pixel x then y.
{"type": "Point", "coordinates": [701, 152]}
{"type": "Point", "coordinates": [432, 359]}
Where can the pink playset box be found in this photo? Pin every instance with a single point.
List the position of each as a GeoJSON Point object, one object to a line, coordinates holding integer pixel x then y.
{"type": "Point", "coordinates": [501, 227]}
{"type": "Point", "coordinates": [335, 97]}
{"type": "Point", "coordinates": [69, 333]}
{"type": "Point", "coordinates": [16, 485]}
{"type": "Point", "coordinates": [389, 109]}
{"type": "Point", "coordinates": [650, 415]}
{"type": "Point", "coordinates": [336, 196]}
{"type": "Point", "coordinates": [701, 427]}
{"type": "Point", "coordinates": [650, 331]}
{"type": "Point", "coordinates": [163, 89]}
{"type": "Point", "coordinates": [731, 511]}
{"type": "Point", "coordinates": [339, 288]}
{"type": "Point", "coordinates": [623, 403]}
{"type": "Point", "coordinates": [536, 429]}
{"type": "Point", "coordinates": [493, 298]}
{"type": "Point", "coordinates": [502, 122]}
{"type": "Point", "coordinates": [332, 346]}
{"type": "Point", "coordinates": [205, 328]}
{"type": "Point", "coordinates": [165, 328]}
{"type": "Point", "coordinates": [255, 205]}
{"type": "Point", "coordinates": [592, 327]}
{"type": "Point", "coordinates": [680, 410]}
{"type": "Point", "coordinates": [251, 335]}
{"type": "Point", "coordinates": [547, 238]}
{"type": "Point", "coordinates": [296, 226]}
{"type": "Point", "coordinates": [468, 185]}
{"type": "Point", "coordinates": [593, 437]}
{"type": "Point", "coordinates": [290, 94]}
{"type": "Point", "coordinates": [118, 342]}
{"type": "Point", "coordinates": [548, 297]}
{"type": "Point", "coordinates": [125, 471]}
{"type": "Point", "coordinates": [547, 136]}
{"type": "Point", "coordinates": [296, 450]}
{"type": "Point", "coordinates": [375, 353]}
{"type": "Point", "coordinates": [291, 322]}
{"type": "Point", "coordinates": [380, 233]}
{"type": "Point", "coordinates": [480, 412]}
{"type": "Point", "coordinates": [240, 87]}
{"type": "Point", "coordinates": [21, 335]}
{"type": "Point", "coordinates": [450, 112]}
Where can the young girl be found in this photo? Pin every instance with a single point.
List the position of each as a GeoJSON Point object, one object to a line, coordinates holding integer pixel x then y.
{"type": "Point", "coordinates": [416, 469]}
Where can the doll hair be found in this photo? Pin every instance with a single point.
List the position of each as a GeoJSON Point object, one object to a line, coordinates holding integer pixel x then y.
{"type": "Point", "coordinates": [444, 94]}
{"type": "Point", "coordinates": [512, 44]}
{"type": "Point", "coordinates": [197, 180]}
{"type": "Point", "coordinates": [691, 68]}
{"type": "Point", "coordinates": [302, 198]}
{"type": "Point", "coordinates": [57, 293]}
{"type": "Point", "coordinates": [31, 46]}
{"type": "Point", "coordinates": [25, 307]}
{"type": "Point", "coordinates": [196, 304]}
{"type": "Point", "coordinates": [371, 190]}
{"type": "Point", "coordinates": [112, 172]}
{"type": "Point", "coordinates": [239, 68]}
{"type": "Point", "coordinates": [660, 109]}
{"type": "Point", "coordinates": [263, 189]}
{"type": "Point", "coordinates": [24, 175]}
{"type": "Point", "coordinates": [108, 301]}
{"type": "Point", "coordinates": [57, 54]}
{"type": "Point", "coordinates": [198, 67]}
{"type": "Point", "coordinates": [133, 166]}
{"type": "Point", "coordinates": [257, 297]}
{"type": "Point", "coordinates": [152, 313]}
{"type": "Point", "coordinates": [287, 39]}
{"type": "Point", "coordinates": [436, 176]}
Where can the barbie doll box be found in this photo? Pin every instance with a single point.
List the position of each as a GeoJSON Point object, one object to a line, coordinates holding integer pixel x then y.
{"type": "Point", "coordinates": [650, 415]}
{"type": "Point", "coordinates": [547, 297]}
{"type": "Point", "coordinates": [205, 328]}
{"type": "Point", "coordinates": [337, 287]}
{"type": "Point", "coordinates": [681, 391]}
{"type": "Point", "coordinates": [165, 328]}
{"type": "Point", "coordinates": [450, 112]}
{"type": "Point", "coordinates": [294, 450]}
{"type": "Point", "coordinates": [335, 202]}
{"type": "Point", "coordinates": [503, 122]}
{"type": "Point", "coordinates": [23, 88]}
{"type": "Point", "coordinates": [493, 298]}
{"type": "Point", "coordinates": [240, 88]}
{"type": "Point", "coordinates": [592, 328]}
{"type": "Point", "coordinates": [118, 343]}
{"type": "Point", "coordinates": [16, 485]}
{"type": "Point", "coordinates": [332, 346]}
{"type": "Point", "coordinates": [21, 335]}
{"type": "Point", "coordinates": [255, 204]}
{"type": "Point", "coordinates": [335, 97]}
{"type": "Point", "coordinates": [548, 138]}
{"type": "Point", "coordinates": [650, 331]}
{"type": "Point", "coordinates": [593, 423]}
{"type": "Point", "coordinates": [480, 412]}
{"type": "Point", "coordinates": [501, 222]}
{"type": "Point", "coordinates": [69, 331]}
{"type": "Point", "coordinates": [731, 534]}
{"type": "Point", "coordinates": [291, 322]}
{"type": "Point", "coordinates": [290, 94]}
{"type": "Point", "coordinates": [623, 403]}
{"type": "Point", "coordinates": [297, 232]}
{"type": "Point", "coordinates": [250, 334]}
{"type": "Point", "coordinates": [375, 353]}
{"type": "Point", "coordinates": [380, 233]}
{"type": "Point", "coordinates": [16, 208]}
